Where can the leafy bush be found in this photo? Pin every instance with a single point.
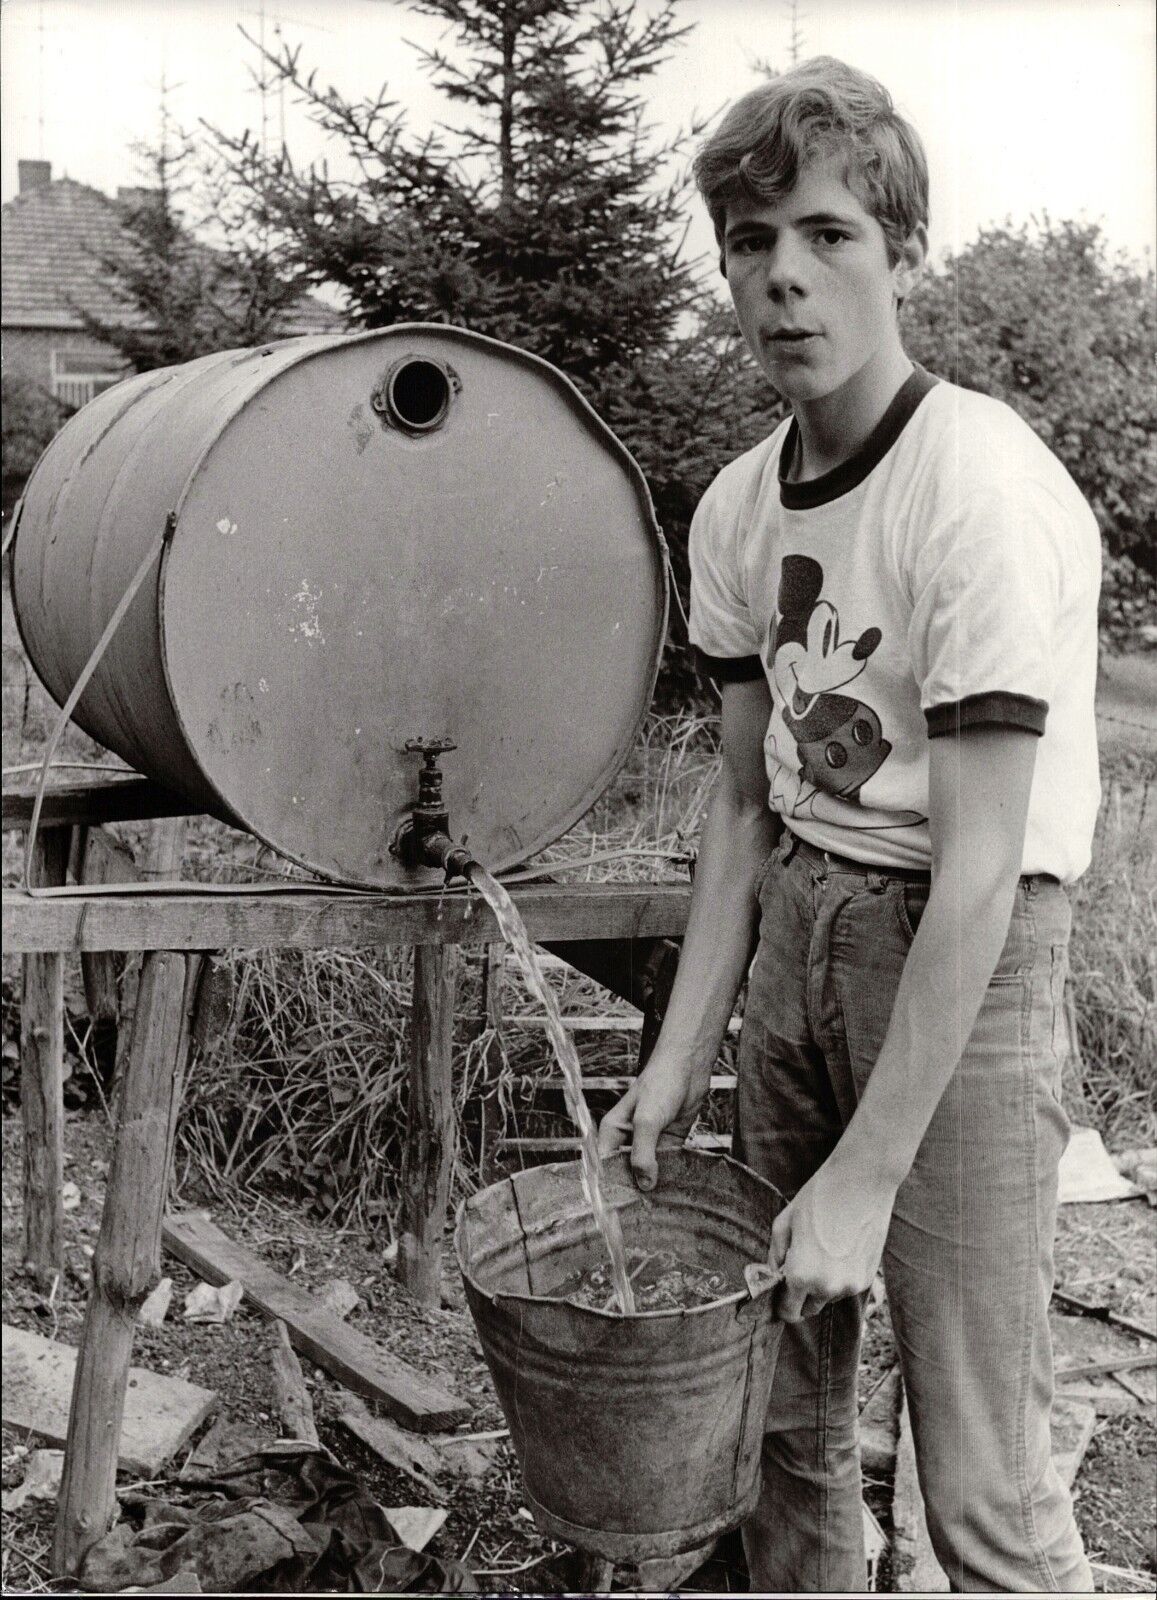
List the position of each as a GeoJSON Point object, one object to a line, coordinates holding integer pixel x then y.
{"type": "Point", "coordinates": [30, 418]}
{"type": "Point", "coordinates": [1046, 320]}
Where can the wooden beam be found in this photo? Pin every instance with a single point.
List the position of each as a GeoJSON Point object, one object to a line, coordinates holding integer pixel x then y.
{"type": "Point", "coordinates": [42, 1085]}
{"type": "Point", "coordinates": [355, 1360]}
{"type": "Point", "coordinates": [429, 1154]}
{"type": "Point", "coordinates": [109, 799]}
{"type": "Point", "coordinates": [127, 1260]}
{"type": "Point", "coordinates": [319, 919]}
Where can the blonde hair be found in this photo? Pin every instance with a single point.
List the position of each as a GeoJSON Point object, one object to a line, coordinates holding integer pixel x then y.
{"type": "Point", "coordinates": [819, 109]}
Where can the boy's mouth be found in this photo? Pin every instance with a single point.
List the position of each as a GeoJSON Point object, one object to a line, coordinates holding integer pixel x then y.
{"type": "Point", "coordinates": [784, 336]}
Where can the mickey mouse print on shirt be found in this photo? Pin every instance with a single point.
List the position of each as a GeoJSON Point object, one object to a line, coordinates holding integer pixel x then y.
{"type": "Point", "coordinates": [838, 738]}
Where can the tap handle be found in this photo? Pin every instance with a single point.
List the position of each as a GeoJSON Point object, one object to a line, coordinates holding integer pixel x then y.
{"type": "Point", "coordinates": [430, 749]}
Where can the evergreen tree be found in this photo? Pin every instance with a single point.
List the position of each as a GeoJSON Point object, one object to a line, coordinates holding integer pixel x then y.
{"type": "Point", "coordinates": [181, 298]}
{"type": "Point", "coordinates": [546, 215]}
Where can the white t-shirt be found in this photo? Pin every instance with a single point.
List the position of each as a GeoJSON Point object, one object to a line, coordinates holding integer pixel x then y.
{"type": "Point", "coordinates": [944, 577]}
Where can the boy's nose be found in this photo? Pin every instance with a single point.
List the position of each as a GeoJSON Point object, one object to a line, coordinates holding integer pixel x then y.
{"type": "Point", "coordinates": [786, 270]}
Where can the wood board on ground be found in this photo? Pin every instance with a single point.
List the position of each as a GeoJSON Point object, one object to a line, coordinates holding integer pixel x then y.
{"type": "Point", "coordinates": [350, 1356]}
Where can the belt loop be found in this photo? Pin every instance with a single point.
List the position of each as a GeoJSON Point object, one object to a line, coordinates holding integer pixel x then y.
{"type": "Point", "coordinates": [792, 845]}
{"type": "Point", "coordinates": [877, 881]}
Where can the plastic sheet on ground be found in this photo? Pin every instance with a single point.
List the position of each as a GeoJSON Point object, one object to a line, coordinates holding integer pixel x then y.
{"type": "Point", "coordinates": [287, 1518]}
{"type": "Point", "coordinates": [1087, 1173]}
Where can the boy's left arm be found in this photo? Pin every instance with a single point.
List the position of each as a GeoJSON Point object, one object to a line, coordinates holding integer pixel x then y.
{"type": "Point", "coordinates": [830, 1238]}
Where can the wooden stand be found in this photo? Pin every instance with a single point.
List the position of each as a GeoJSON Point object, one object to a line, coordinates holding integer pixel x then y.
{"type": "Point", "coordinates": [127, 1263]}
{"type": "Point", "coordinates": [172, 931]}
{"type": "Point", "coordinates": [42, 1085]}
{"type": "Point", "coordinates": [429, 1156]}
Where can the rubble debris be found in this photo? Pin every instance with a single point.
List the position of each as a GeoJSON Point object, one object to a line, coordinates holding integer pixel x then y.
{"type": "Point", "coordinates": [339, 1296]}
{"type": "Point", "coordinates": [41, 1480]}
{"type": "Point", "coordinates": [206, 1302]}
{"type": "Point", "coordinates": [156, 1305]}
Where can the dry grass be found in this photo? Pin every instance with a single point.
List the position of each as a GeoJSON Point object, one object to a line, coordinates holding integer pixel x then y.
{"type": "Point", "coordinates": [1114, 968]}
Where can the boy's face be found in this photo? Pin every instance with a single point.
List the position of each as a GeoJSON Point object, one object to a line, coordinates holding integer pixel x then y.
{"type": "Point", "coordinates": [811, 284]}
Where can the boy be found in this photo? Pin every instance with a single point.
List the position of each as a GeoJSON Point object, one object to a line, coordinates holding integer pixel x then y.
{"type": "Point", "coordinates": [898, 593]}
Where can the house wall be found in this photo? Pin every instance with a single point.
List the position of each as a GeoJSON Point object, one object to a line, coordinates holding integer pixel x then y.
{"type": "Point", "coordinates": [67, 363]}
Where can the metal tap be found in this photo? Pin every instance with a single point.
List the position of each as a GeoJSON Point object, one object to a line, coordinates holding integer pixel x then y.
{"type": "Point", "coordinates": [423, 840]}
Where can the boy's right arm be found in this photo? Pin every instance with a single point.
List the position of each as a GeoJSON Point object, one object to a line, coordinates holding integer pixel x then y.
{"type": "Point", "coordinates": [739, 832]}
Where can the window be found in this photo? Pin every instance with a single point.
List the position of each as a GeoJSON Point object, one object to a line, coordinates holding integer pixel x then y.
{"type": "Point", "coordinates": [78, 375]}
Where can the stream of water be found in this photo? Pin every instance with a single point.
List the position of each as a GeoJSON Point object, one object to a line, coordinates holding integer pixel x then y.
{"type": "Point", "coordinates": [606, 1219]}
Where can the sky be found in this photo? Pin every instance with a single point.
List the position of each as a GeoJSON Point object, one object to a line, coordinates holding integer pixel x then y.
{"type": "Point", "coordinates": [1025, 106]}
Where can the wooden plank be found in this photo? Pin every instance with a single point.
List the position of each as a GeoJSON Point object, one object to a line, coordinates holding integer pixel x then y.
{"type": "Point", "coordinates": [106, 799]}
{"type": "Point", "coordinates": [353, 1359]}
{"type": "Point", "coordinates": [160, 1412]}
{"type": "Point", "coordinates": [428, 1157]}
{"type": "Point", "coordinates": [319, 919]}
{"type": "Point", "coordinates": [603, 1024]}
{"type": "Point", "coordinates": [127, 1260]}
{"type": "Point", "coordinates": [720, 1082]}
{"type": "Point", "coordinates": [294, 1406]}
{"type": "Point", "coordinates": [565, 1143]}
{"type": "Point", "coordinates": [429, 1459]}
{"type": "Point", "coordinates": [1114, 1364]}
{"type": "Point", "coordinates": [42, 1084]}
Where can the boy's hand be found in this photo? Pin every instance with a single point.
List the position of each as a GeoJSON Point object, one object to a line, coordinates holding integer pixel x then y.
{"type": "Point", "coordinates": [655, 1113]}
{"type": "Point", "coordinates": [829, 1239]}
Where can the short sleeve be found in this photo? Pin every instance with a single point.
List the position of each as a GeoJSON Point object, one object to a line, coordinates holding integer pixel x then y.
{"type": "Point", "coordinates": [987, 594]}
{"type": "Point", "coordinates": [721, 626]}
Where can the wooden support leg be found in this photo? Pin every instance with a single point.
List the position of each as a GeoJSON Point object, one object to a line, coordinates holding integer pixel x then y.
{"type": "Point", "coordinates": [42, 1083]}
{"type": "Point", "coordinates": [160, 858]}
{"type": "Point", "coordinates": [429, 1157]}
{"type": "Point", "coordinates": [127, 1260]}
{"type": "Point", "coordinates": [103, 860]}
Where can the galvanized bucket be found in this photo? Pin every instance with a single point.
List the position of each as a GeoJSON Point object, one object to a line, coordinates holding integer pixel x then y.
{"type": "Point", "coordinates": [639, 1437]}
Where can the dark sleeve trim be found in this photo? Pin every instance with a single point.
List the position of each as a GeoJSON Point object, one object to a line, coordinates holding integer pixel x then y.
{"type": "Point", "coordinates": [729, 669]}
{"type": "Point", "coordinates": [998, 708]}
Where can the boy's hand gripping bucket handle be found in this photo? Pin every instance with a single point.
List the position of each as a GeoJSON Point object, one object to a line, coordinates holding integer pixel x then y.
{"type": "Point", "coordinates": [760, 1278]}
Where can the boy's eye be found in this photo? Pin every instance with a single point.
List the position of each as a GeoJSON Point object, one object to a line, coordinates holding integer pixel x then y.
{"type": "Point", "coordinates": [747, 246]}
{"type": "Point", "coordinates": [831, 236]}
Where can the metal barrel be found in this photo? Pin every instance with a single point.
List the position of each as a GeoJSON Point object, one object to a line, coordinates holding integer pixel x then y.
{"type": "Point", "coordinates": [412, 534]}
{"type": "Point", "coordinates": [639, 1437]}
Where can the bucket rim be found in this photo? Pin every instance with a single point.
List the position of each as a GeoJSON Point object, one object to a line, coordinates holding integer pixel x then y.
{"type": "Point", "coordinates": [737, 1298]}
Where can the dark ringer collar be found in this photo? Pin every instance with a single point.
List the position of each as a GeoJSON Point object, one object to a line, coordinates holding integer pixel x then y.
{"type": "Point", "coordinates": [852, 472]}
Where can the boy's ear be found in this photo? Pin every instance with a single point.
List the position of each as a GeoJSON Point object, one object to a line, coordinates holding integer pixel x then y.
{"type": "Point", "coordinates": [913, 258]}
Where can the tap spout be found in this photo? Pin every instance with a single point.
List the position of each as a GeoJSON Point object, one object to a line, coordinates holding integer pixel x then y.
{"type": "Point", "coordinates": [437, 849]}
{"type": "Point", "coordinates": [423, 840]}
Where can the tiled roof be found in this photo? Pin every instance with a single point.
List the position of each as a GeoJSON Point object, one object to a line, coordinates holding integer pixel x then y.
{"type": "Point", "coordinates": [54, 239]}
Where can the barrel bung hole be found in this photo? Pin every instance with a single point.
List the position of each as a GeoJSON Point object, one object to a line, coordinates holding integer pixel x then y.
{"type": "Point", "coordinates": [419, 395]}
